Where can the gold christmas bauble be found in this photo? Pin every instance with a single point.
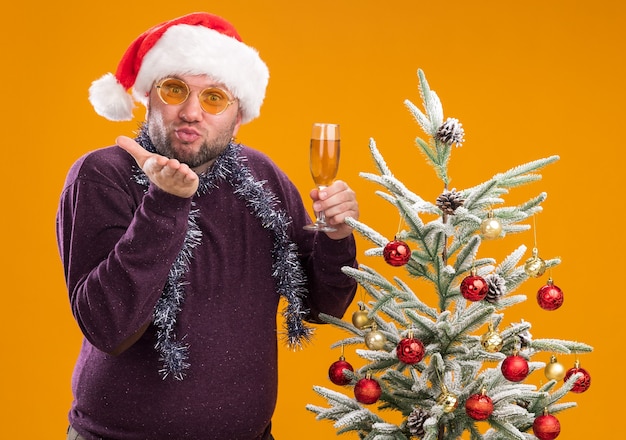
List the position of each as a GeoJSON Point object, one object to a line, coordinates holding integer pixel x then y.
{"type": "Point", "coordinates": [535, 266]}
{"type": "Point", "coordinates": [491, 341]}
{"type": "Point", "coordinates": [360, 319]}
{"type": "Point", "coordinates": [449, 401]}
{"type": "Point", "coordinates": [491, 227]}
{"type": "Point", "coordinates": [554, 370]}
{"type": "Point", "coordinates": [375, 340]}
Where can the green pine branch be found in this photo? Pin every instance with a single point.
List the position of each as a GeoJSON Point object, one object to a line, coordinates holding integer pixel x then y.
{"type": "Point", "coordinates": [445, 250]}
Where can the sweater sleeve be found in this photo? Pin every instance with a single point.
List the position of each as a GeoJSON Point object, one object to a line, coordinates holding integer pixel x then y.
{"type": "Point", "coordinates": [117, 245]}
{"type": "Point", "coordinates": [330, 291]}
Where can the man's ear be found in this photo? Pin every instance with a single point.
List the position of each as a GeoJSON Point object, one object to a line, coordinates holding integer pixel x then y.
{"type": "Point", "coordinates": [238, 123]}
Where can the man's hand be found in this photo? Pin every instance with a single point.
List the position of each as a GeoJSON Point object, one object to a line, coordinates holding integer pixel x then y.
{"type": "Point", "coordinates": [168, 174]}
{"type": "Point", "coordinates": [338, 201]}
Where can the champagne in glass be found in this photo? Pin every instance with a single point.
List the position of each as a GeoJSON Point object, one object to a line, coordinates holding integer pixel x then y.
{"type": "Point", "coordinates": [324, 163]}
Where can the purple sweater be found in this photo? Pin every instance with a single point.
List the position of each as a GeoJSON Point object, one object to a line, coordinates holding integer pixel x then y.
{"type": "Point", "coordinates": [118, 240]}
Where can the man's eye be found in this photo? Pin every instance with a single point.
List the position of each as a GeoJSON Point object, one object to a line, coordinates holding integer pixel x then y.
{"type": "Point", "coordinates": [214, 98]}
{"type": "Point", "coordinates": [174, 90]}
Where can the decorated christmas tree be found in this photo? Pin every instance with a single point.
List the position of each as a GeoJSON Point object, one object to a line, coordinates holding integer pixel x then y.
{"type": "Point", "coordinates": [436, 370]}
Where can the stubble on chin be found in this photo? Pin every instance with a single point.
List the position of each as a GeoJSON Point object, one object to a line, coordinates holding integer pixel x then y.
{"type": "Point", "coordinates": [164, 140]}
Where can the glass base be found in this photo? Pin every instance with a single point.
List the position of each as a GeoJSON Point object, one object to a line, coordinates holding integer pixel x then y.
{"type": "Point", "coordinates": [318, 226]}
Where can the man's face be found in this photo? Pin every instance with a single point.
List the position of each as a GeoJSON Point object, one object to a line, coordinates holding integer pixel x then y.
{"type": "Point", "coordinates": [185, 131]}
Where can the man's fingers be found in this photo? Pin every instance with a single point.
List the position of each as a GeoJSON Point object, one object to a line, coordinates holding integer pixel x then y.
{"type": "Point", "coordinates": [168, 174]}
{"type": "Point", "coordinates": [134, 149]}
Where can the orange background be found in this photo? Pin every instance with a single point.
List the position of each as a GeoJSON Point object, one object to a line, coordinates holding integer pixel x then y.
{"type": "Point", "coordinates": [526, 79]}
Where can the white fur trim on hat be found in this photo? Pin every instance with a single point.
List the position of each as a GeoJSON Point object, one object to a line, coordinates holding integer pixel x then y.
{"type": "Point", "coordinates": [110, 100]}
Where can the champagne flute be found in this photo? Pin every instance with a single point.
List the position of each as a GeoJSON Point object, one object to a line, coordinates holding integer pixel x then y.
{"type": "Point", "coordinates": [324, 163]}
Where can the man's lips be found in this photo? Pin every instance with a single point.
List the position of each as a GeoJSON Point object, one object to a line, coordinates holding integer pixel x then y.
{"type": "Point", "coordinates": [187, 134]}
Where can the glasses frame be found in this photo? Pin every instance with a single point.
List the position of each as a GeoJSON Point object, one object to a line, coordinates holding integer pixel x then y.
{"type": "Point", "coordinates": [160, 85]}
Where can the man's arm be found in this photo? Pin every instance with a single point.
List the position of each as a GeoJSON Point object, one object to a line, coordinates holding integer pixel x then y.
{"type": "Point", "coordinates": [324, 254]}
{"type": "Point", "coordinates": [117, 245]}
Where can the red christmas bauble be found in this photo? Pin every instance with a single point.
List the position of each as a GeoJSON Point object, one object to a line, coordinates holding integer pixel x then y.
{"type": "Point", "coordinates": [479, 406]}
{"type": "Point", "coordinates": [397, 253]}
{"type": "Point", "coordinates": [583, 383]}
{"type": "Point", "coordinates": [474, 288]}
{"type": "Point", "coordinates": [515, 368]}
{"type": "Point", "coordinates": [367, 391]}
{"type": "Point", "coordinates": [550, 297]}
{"type": "Point", "coordinates": [335, 372]}
{"type": "Point", "coordinates": [410, 350]}
{"type": "Point", "coordinates": [546, 427]}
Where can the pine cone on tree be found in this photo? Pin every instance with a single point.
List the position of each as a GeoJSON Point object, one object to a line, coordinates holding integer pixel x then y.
{"type": "Point", "coordinates": [451, 132]}
{"type": "Point", "coordinates": [449, 201]}
{"type": "Point", "coordinates": [497, 287]}
{"type": "Point", "coordinates": [415, 422]}
{"type": "Point", "coordinates": [525, 338]}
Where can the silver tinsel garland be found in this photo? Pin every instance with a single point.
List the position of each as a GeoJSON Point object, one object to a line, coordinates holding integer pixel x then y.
{"type": "Point", "coordinates": [287, 271]}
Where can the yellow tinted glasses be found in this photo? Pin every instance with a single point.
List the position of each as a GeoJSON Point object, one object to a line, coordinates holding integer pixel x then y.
{"type": "Point", "coordinates": [174, 91]}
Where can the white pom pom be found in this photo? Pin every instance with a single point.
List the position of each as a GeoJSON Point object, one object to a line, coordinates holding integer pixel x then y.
{"type": "Point", "coordinates": [110, 100]}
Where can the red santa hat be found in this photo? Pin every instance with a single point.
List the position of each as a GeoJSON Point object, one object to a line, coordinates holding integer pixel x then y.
{"type": "Point", "coordinates": [194, 44]}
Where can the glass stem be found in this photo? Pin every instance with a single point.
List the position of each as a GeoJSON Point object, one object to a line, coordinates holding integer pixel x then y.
{"type": "Point", "coordinates": [321, 218]}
